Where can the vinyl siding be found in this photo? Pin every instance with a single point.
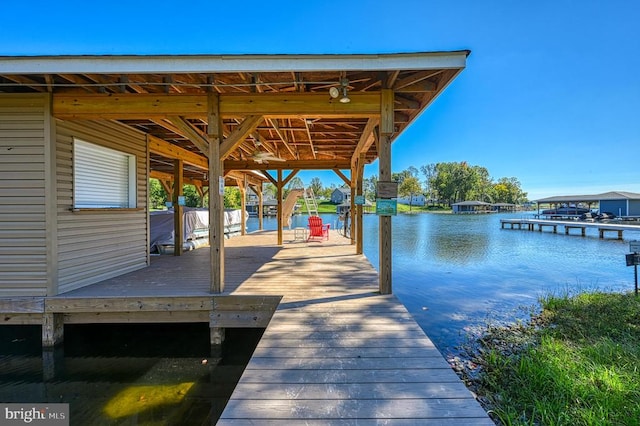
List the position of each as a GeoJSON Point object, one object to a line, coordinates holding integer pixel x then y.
{"type": "Point", "coordinates": [23, 233]}
{"type": "Point", "coordinates": [617, 207]}
{"type": "Point", "coordinates": [94, 246]}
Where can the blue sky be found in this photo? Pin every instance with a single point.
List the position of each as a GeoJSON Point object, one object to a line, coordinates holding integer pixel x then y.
{"type": "Point", "coordinates": [550, 95]}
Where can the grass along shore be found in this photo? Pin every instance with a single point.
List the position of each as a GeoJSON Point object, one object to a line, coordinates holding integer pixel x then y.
{"type": "Point", "coordinates": [575, 363]}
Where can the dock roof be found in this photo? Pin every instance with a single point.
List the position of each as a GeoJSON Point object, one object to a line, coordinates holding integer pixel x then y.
{"type": "Point", "coordinates": [612, 195]}
{"type": "Point", "coordinates": [278, 111]}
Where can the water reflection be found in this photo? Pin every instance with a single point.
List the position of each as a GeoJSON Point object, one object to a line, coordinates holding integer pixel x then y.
{"type": "Point", "coordinates": [134, 374]}
{"type": "Point", "coordinates": [456, 272]}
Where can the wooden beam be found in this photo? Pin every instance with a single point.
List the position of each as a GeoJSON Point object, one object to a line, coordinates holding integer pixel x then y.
{"type": "Point", "coordinates": [166, 184]}
{"type": "Point", "coordinates": [216, 203]}
{"type": "Point", "coordinates": [260, 208]}
{"type": "Point", "coordinates": [279, 207]}
{"type": "Point", "coordinates": [342, 176]}
{"type": "Point", "coordinates": [405, 103]}
{"type": "Point", "coordinates": [283, 137]}
{"type": "Point", "coordinates": [419, 87]}
{"type": "Point", "coordinates": [242, 185]}
{"type": "Point", "coordinates": [290, 176]}
{"type": "Point", "coordinates": [384, 162]}
{"type": "Point", "coordinates": [288, 165]}
{"type": "Point", "coordinates": [387, 125]}
{"type": "Point", "coordinates": [415, 78]}
{"type": "Point", "coordinates": [358, 213]}
{"type": "Point", "coordinates": [191, 133]}
{"type": "Point", "coordinates": [238, 136]}
{"type": "Point", "coordinates": [313, 150]}
{"type": "Point", "coordinates": [178, 226]}
{"type": "Point", "coordinates": [169, 150]}
{"type": "Point", "coordinates": [165, 177]}
{"type": "Point", "coordinates": [366, 140]}
{"type": "Point", "coordinates": [125, 106]}
{"type": "Point", "coordinates": [273, 180]}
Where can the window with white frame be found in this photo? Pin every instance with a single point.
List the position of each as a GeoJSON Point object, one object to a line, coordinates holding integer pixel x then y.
{"type": "Point", "coordinates": [102, 177]}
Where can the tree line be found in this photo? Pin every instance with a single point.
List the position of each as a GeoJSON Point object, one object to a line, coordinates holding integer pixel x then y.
{"type": "Point", "coordinates": [448, 183]}
{"type": "Point", "coordinates": [440, 183]}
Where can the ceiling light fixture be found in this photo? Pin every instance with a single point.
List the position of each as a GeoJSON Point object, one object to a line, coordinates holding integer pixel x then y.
{"type": "Point", "coordinates": [345, 97]}
{"type": "Point", "coordinates": [341, 91]}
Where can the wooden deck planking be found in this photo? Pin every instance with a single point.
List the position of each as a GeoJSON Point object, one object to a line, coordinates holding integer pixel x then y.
{"type": "Point", "coordinates": [334, 352]}
{"type": "Point", "coordinates": [337, 352]}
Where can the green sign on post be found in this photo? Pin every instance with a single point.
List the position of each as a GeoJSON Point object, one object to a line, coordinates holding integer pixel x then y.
{"type": "Point", "coordinates": [385, 207]}
{"type": "Point", "coordinates": [358, 200]}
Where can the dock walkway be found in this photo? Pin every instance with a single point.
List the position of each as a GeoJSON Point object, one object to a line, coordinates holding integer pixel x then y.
{"type": "Point", "coordinates": [603, 228]}
{"type": "Point", "coordinates": [334, 350]}
{"type": "Point", "coordinates": [337, 352]}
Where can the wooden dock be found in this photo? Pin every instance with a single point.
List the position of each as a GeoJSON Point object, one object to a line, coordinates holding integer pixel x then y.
{"type": "Point", "coordinates": [568, 225]}
{"type": "Point", "coordinates": [334, 350]}
{"type": "Point", "coordinates": [337, 352]}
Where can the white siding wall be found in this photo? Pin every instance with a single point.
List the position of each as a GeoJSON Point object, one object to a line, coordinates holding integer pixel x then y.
{"type": "Point", "coordinates": [23, 157]}
{"type": "Point", "coordinates": [94, 246]}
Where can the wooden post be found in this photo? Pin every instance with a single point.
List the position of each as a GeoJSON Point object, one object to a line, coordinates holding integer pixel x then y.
{"type": "Point", "coordinates": [52, 329]}
{"type": "Point", "coordinates": [52, 362]}
{"type": "Point", "coordinates": [242, 185]}
{"type": "Point", "coordinates": [384, 154]}
{"type": "Point", "coordinates": [359, 209]}
{"type": "Point", "coordinates": [178, 225]}
{"type": "Point", "coordinates": [216, 202]}
{"type": "Point", "coordinates": [216, 338]}
{"type": "Point", "coordinates": [260, 208]}
{"type": "Point", "coordinates": [279, 211]}
{"type": "Point", "coordinates": [352, 207]}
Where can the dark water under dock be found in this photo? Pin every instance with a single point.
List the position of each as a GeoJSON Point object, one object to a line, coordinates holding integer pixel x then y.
{"type": "Point", "coordinates": [144, 374]}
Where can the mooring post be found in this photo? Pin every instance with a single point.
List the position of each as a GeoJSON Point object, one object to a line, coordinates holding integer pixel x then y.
{"type": "Point", "coordinates": [216, 338]}
{"type": "Point", "coordinates": [52, 362]}
{"type": "Point", "coordinates": [52, 329]}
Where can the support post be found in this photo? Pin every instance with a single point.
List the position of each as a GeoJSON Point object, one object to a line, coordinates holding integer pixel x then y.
{"type": "Point", "coordinates": [260, 208]}
{"type": "Point", "coordinates": [178, 225]}
{"type": "Point", "coordinates": [243, 206]}
{"type": "Point", "coordinates": [384, 153]}
{"type": "Point", "coordinates": [352, 207]}
{"type": "Point", "coordinates": [279, 211]}
{"type": "Point", "coordinates": [52, 329]}
{"type": "Point", "coordinates": [359, 209]}
{"type": "Point", "coordinates": [216, 339]}
{"type": "Point", "coordinates": [216, 203]}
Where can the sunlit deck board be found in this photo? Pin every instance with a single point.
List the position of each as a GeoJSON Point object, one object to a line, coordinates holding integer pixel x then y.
{"type": "Point", "coordinates": [337, 352]}
{"type": "Point", "coordinates": [334, 352]}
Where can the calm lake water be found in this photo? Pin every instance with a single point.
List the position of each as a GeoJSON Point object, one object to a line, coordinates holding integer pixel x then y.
{"type": "Point", "coordinates": [455, 272]}
{"type": "Point", "coordinates": [452, 272]}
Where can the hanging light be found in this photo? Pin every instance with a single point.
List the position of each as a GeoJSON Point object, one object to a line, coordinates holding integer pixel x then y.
{"type": "Point", "coordinates": [345, 98]}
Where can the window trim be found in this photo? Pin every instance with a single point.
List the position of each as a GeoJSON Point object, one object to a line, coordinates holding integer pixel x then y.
{"type": "Point", "coordinates": [131, 179]}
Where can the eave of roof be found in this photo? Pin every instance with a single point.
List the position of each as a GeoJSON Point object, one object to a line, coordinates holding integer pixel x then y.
{"type": "Point", "coordinates": [230, 63]}
{"type": "Point", "coordinates": [612, 195]}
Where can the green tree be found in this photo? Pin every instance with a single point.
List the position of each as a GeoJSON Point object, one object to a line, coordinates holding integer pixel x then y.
{"type": "Point", "coordinates": [316, 186]}
{"type": "Point", "coordinates": [370, 187]}
{"type": "Point", "coordinates": [157, 195]}
{"type": "Point", "coordinates": [191, 196]}
{"type": "Point", "coordinates": [269, 190]}
{"type": "Point", "coordinates": [232, 199]}
{"type": "Point", "coordinates": [508, 190]}
{"type": "Point", "coordinates": [409, 187]}
{"type": "Point", "coordinates": [429, 173]}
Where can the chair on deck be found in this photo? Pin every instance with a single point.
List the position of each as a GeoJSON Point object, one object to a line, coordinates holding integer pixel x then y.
{"type": "Point", "coordinates": [317, 230]}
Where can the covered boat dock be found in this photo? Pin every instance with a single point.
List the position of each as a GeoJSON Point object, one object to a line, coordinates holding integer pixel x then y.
{"type": "Point", "coordinates": [80, 138]}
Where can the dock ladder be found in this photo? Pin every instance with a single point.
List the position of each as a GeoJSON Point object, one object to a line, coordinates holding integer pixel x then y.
{"type": "Point", "coordinates": [310, 202]}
